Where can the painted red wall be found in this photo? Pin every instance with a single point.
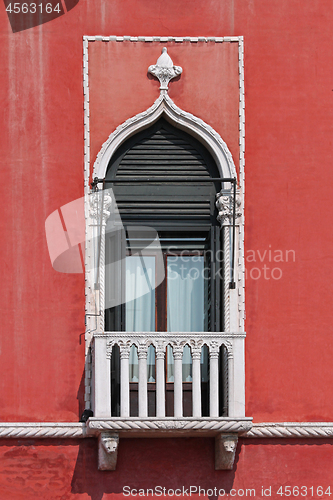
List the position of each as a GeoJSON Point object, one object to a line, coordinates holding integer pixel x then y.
{"type": "Point", "coordinates": [67, 469]}
{"type": "Point", "coordinates": [288, 82]}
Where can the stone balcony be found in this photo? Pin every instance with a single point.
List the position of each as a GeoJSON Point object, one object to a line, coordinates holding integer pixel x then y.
{"type": "Point", "coordinates": [225, 429]}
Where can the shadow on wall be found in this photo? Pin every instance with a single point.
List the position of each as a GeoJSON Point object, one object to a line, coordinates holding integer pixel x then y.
{"type": "Point", "coordinates": [149, 463]}
{"type": "Point", "coordinates": [80, 394]}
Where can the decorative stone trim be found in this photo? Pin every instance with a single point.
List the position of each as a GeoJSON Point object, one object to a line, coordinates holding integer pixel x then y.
{"type": "Point", "coordinates": [182, 118]}
{"type": "Point", "coordinates": [163, 39]}
{"type": "Point", "coordinates": [195, 340]}
{"type": "Point", "coordinates": [96, 199]}
{"type": "Point", "coordinates": [171, 425]}
{"type": "Point", "coordinates": [292, 430]}
{"type": "Point", "coordinates": [241, 252]}
{"type": "Point", "coordinates": [42, 430]}
{"type": "Point", "coordinates": [69, 430]}
{"type": "Point", "coordinates": [219, 150]}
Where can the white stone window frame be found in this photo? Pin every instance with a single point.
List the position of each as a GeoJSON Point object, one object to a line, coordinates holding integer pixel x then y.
{"type": "Point", "coordinates": [234, 310]}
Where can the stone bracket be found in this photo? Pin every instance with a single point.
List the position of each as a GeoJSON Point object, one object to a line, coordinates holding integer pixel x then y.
{"type": "Point", "coordinates": [225, 451]}
{"type": "Point", "coordinates": [108, 443]}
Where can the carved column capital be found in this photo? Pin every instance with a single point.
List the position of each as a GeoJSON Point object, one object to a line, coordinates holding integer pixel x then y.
{"type": "Point", "coordinates": [178, 351]}
{"type": "Point", "coordinates": [96, 200]}
{"type": "Point", "coordinates": [164, 70]}
{"type": "Point", "coordinates": [142, 351]}
{"type": "Point", "coordinates": [224, 204]}
{"type": "Point", "coordinates": [196, 346]}
{"type": "Point", "coordinates": [125, 348]}
{"type": "Point", "coordinates": [109, 347]}
{"type": "Point", "coordinates": [214, 350]}
{"type": "Point", "coordinates": [160, 351]}
{"type": "Point", "coordinates": [228, 346]}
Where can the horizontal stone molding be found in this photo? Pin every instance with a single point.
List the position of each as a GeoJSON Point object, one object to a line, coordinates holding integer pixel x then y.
{"type": "Point", "coordinates": [181, 425]}
{"type": "Point", "coordinates": [61, 430]}
{"type": "Point", "coordinates": [42, 430]}
{"type": "Point", "coordinates": [163, 39]}
{"type": "Point", "coordinates": [186, 336]}
{"type": "Point", "coordinates": [291, 430]}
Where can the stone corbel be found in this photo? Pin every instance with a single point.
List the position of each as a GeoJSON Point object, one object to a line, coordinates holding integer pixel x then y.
{"type": "Point", "coordinates": [108, 443]}
{"type": "Point", "coordinates": [225, 451]}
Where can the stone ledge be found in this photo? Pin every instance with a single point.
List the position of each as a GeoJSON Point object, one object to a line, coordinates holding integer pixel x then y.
{"type": "Point", "coordinates": [42, 430]}
{"type": "Point", "coordinates": [168, 426]}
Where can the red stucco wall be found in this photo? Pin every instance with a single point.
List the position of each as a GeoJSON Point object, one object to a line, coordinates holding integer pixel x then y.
{"type": "Point", "coordinates": [67, 469]}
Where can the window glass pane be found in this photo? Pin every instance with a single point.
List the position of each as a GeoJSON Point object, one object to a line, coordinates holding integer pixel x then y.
{"type": "Point", "coordinates": [187, 364]}
{"type": "Point", "coordinates": [140, 308]}
{"type": "Point", "coordinates": [140, 294]}
{"type": "Point", "coordinates": [133, 365]}
{"type": "Point", "coordinates": [185, 305]}
{"type": "Point", "coordinates": [204, 361]}
{"type": "Point", "coordinates": [170, 365]}
{"type": "Point", "coordinates": [185, 294]}
{"type": "Point", "coordinates": [151, 364]}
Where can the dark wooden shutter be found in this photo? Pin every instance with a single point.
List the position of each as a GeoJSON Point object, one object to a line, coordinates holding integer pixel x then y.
{"type": "Point", "coordinates": [163, 153]}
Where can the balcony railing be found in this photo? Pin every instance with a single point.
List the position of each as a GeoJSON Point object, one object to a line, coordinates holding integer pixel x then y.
{"type": "Point", "coordinates": [109, 428]}
{"type": "Point", "coordinates": [102, 347]}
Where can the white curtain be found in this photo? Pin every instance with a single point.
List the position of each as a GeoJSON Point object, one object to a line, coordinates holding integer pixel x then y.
{"type": "Point", "coordinates": [140, 308]}
{"type": "Point", "coordinates": [185, 305]}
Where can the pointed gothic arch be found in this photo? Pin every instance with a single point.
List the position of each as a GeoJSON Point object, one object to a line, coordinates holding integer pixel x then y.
{"type": "Point", "coordinates": [164, 106]}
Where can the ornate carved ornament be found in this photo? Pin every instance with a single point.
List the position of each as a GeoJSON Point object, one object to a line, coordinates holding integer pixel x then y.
{"type": "Point", "coordinates": [164, 70]}
{"type": "Point", "coordinates": [160, 341]}
{"type": "Point", "coordinates": [96, 200]}
{"type": "Point", "coordinates": [225, 207]}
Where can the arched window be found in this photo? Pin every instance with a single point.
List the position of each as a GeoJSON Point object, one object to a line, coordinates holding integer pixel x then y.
{"type": "Point", "coordinates": [167, 188]}
{"type": "Point", "coordinates": [166, 266]}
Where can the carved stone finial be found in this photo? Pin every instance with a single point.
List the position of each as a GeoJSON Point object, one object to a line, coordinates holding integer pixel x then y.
{"type": "Point", "coordinates": [164, 70]}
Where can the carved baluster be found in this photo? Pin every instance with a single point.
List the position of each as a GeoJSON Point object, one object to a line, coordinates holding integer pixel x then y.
{"type": "Point", "coordinates": [196, 379]}
{"type": "Point", "coordinates": [160, 381]}
{"type": "Point", "coordinates": [143, 403]}
{"type": "Point", "coordinates": [178, 383]}
{"type": "Point", "coordinates": [214, 379]}
{"type": "Point", "coordinates": [125, 348]}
